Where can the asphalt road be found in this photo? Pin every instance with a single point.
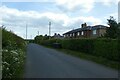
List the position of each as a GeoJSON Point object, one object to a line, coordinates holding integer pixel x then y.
{"type": "Point", "coordinates": [43, 62]}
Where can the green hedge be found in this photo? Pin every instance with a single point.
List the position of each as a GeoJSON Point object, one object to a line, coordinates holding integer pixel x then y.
{"type": "Point", "coordinates": [50, 42]}
{"type": "Point", "coordinates": [107, 48]}
{"type": "Point", "coordinates": [83, 45]}
{"type": "Point", "coordinates": [10, 39]}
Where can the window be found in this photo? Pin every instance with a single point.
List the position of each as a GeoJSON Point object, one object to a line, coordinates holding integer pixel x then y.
{"type": "Point", "coordinates": [78, 33]}
{"type": "Point", "coordinates": [82, 33]}
{"type": "Point", "coordinates": [94, 32]}
{"type": "Point", "coordinates": [70, 35]}
{"type": "Point", "coordinates": [73, 34]}
{"type": "Point", "coordinates": [67, 35]}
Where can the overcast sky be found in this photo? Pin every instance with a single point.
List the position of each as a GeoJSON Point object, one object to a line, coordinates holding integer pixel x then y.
{"type": "Point", "coordinates": [65, 15]}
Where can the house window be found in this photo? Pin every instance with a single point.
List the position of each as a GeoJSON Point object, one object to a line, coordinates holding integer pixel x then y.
{"type": "Point", "coordinates": [73, 34]}
{"type": "Point", "coordinates": [70, 35]}
{"type": "Point", "coordinates": [67, 35]}
{"type": "Point", "coordinates": [82, 33]}
{"type": "Point", "coordinates": [94, 32]}
{"type": "Point", "coordinates": [78, 33]}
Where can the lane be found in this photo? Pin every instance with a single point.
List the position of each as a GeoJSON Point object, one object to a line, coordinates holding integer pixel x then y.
{"type": "Point", "coordinates": [43, 62]}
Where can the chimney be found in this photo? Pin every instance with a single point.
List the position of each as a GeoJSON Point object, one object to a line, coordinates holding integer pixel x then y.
{"type": "Point", "coordinates": [84, 25]}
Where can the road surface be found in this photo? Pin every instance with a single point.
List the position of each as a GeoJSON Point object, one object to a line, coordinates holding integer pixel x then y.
{"type": "Point", "coordinates": [43, 62]}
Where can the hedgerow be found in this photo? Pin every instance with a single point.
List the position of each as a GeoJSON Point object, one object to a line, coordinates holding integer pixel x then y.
{"type": "Point", "coordinates": [107, 48]}
{"type": "Point", "coordinates": [13, 54]}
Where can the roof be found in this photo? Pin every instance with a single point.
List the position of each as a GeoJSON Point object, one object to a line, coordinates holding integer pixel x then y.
{"type": "Point", "coordinates": [73, 31]}
{"type": "Point", "coordinates": [98, 27]}
{"type": "Point", "coordinates": [86, 28]}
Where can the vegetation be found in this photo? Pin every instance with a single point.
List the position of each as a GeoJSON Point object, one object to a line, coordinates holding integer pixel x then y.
{"type": "Point", "coordinates": [114, 30]}
{"type": "Point", "coordinates": [98, 47]}
{"type": "Point", "coordinates": [41, 38]}
{"type": "Point", "coordinates": [13, 55]}
{"type": "Point", "coordinates": [0, 53]}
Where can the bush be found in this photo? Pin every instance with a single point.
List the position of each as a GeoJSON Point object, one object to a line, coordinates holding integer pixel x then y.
{"type": "Point", "coordinates": [107, 48]}
{"type": "Point", "coordinates": [83, 45]}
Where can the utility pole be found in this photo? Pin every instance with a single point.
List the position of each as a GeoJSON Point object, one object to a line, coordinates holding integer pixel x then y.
{"type": "Point", "coordinates": [26, 31]}
{"type": "Point", "coordinates": [38, 33]}
{"type": "Point", "coordinates": [49, 29]}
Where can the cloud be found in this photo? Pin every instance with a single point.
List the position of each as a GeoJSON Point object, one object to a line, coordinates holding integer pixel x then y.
{"type": "Point", "coordinates": [110, 2]}
{"type": "Point", "coordinates": [27, 0]}
{"type": "Point", "coordinates": [70, 5]}
{"type": "Point", "coordinates": [16, 21]}
{"type": "Point", "coordinates": [77, 21]}
{"type": "Point", "coordinates": [82, 5]}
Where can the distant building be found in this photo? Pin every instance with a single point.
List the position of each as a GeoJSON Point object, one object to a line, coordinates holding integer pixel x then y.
{"type": "Point", "coordinates": [86, 31]}
{"type": "Point", "coordinates": [57, 36]}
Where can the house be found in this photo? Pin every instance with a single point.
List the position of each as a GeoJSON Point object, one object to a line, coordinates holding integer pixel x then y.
{"type": "Point", "coordinates": [57, 36]}
{"type": "Point", "coordinates": [86, 31]}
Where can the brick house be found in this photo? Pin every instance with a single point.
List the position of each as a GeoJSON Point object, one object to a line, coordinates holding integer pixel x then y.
{"type": "Point", "coordinates": [86, 31]}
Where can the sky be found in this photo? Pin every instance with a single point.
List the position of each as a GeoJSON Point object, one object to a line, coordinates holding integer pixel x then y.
{"type": "Point", "coordinates": [64, 15]}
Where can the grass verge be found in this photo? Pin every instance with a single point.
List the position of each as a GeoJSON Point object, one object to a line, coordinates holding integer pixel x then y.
{"type": "Point", "coordinates": [99, 60]}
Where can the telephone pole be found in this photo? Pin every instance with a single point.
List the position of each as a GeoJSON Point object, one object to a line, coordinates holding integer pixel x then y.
{"type": "Point", "coordinates": [49, 29]}
{"type": "Point", "coordinates": [38, 33]}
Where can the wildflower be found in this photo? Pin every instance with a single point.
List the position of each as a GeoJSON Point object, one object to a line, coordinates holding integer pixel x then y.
{"type": "Point", "coordinates": [14, 52]}
{"type": "Point", "coordinates": [16, 59]}
{"type": "Point", "coordinates": [7, 68]}
{"type": "Point", "coordinates": [5, 50]}
{"type": "Point", "coordinates": [6, 63]}
{"type": "Point", "coordinates": [10, 74]}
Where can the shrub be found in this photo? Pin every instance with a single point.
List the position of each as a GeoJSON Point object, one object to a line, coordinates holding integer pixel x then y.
{"type": "Point", "coordinates": [107, 48]}
{"type": "Point", "coordinates": [83, 45]}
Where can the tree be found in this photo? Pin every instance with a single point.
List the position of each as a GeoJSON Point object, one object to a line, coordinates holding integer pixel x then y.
{"type": "Point", "coordinates": [112, 31]}
{"type": "Point", "coordinates": [46, 37]}
{"type": "Point", "coordinates": [38, 38]}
